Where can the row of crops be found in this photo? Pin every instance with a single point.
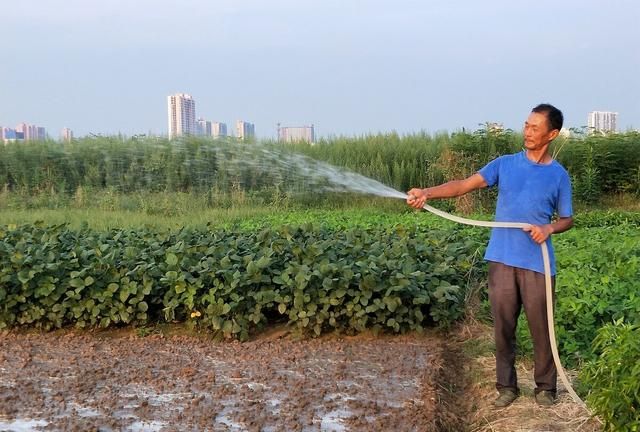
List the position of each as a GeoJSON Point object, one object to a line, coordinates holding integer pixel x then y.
{"type": "Point", "coordinates": [236, 282]}
{"type": "Point", "coordinates": [324, 277]}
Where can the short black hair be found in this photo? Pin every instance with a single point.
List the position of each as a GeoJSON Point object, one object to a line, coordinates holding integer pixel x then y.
{"type": "Point", "coordinates": [554, 115]}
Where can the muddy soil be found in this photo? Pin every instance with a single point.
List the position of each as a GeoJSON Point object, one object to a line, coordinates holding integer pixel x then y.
{"type": "Point", "coordinates": [118, 381]}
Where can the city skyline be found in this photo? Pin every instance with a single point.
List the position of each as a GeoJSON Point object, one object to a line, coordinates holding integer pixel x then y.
{"type": "Point", "coordinates": [348, 68]}
{"type": "Point", "coordinates": [22, 132]}
{"type": "Point", "coordinates": [183, 120]}
{"type": "Point", "coordinates": [597, 121]}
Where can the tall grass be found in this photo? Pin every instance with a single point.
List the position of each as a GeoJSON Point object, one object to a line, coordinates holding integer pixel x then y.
{"type": "Point", "coordinates": [138, 174]}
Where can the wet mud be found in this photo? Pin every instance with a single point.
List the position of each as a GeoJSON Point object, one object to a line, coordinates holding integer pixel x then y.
{"type": "Point", "coordinates": [118, 381]}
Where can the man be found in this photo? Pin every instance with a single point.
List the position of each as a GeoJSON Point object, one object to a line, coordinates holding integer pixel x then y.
{"type": "Point", "coordinates": [532, 187]}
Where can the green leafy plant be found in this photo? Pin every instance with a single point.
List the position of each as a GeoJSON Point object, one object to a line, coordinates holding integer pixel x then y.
{"type": "Point", "coordinates": [613, 377]}
{"type": "Point", "coordinates": [315, 278]}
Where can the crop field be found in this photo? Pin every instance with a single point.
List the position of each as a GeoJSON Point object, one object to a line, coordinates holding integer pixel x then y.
{"type": "Point", "coordinates": [245, 304]}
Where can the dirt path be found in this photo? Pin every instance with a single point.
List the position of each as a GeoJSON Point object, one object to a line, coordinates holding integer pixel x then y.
{"type": "Point", "coordinates": [117, 381]}
{"type": "Point", "coordinates": [524, 415]}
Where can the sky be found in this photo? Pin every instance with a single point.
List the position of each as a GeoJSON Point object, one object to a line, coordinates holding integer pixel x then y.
{"type": "Point", "coordinates": [348, 67]}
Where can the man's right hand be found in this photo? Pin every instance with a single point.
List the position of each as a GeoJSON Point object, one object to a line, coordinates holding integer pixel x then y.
{"type": "Point", "coordinates": [417, 197]}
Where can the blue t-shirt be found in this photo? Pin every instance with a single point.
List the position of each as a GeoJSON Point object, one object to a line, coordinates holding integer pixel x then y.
{"type": "Point", "coordinates": [527, 192]}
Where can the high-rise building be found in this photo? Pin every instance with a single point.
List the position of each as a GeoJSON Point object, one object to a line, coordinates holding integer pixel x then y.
{"type": "Point", "coordinates": [29, 132]}
{"type": "Point", "coordinates": [296, 134]}
{"type": "Point", "coordinates": [66, 135]}
{"type": "Point", "coordinates": [212, 129]}
{"type": "Point", "coordinates": [245, 130]}
{"type": "Point", "coordinates": [204, 127]}
{"type": "Point", "coordinates": [602, 121]}
{"type": "Point", "coordinates": [182, 115]}
{"type": "Point", "coordinates": [219, 129]}
{"type": "Point", "coordinates": [7, 134]}
{"type": "Point", "coordinates": [22, 131]}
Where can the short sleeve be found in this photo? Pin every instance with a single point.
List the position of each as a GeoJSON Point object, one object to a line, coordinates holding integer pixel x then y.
{"type": "Point", "coordinates": [565, 206]}
{"type": "Point", "coordinates": [490, 172]}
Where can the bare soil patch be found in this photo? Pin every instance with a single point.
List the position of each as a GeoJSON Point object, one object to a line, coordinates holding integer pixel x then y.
{"type": "Point", "coordinates": [113, 381]}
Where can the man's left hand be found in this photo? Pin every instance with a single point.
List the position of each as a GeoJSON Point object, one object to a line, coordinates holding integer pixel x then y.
{"type": "Point", "coordinates": [539, 233]}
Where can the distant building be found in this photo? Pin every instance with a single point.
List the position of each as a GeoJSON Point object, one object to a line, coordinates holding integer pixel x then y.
{"type": "Point", "coordinates": [7, 134]}
{"type": "Point", "coordinates": [602, 121]}
{"type": "Point", "coordinates": [245, 130]}
{"type": "Point", "coordinates": [66, 135]}
{"type": "Point", "coordinates": [296, 134]}
{"type": "Point", "coordinates": [26, 132]}
{"type": "Point", "coordinates": [219, 129]}
{"type": "Point", "coordinates": [211, 129]}
{"type": "Point", "coordinates": [204, 127]}
{"type": "Point", "coordinates": [182, 115]}
{"type": "Point", "coordinates": [30, 132]}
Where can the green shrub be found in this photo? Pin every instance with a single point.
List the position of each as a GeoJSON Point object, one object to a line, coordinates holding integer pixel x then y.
{"type": "Point", "coordinates": [598, 273]}
{"type": "Point", "coordinates": [614, 377]}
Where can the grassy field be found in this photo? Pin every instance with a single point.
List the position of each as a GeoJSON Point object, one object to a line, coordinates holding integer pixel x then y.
{"type": "Point", "coordinates": [174, 210]}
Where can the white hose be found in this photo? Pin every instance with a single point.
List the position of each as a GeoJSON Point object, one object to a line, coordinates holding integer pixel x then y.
{"type": "Point", "coordinates": [547, 279]}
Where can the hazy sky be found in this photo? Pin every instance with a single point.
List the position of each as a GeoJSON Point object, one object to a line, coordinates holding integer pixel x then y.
{"type": "Point", "coordinates": [349, 67]}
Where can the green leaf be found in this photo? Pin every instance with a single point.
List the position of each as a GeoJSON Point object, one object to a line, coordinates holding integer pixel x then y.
{"type": "Point", "coordinates": [391, 302]}
{"type": "Point", "coordinates": [76, 283]}
{"type": "Point", "coordinates": [171, 259]}
{"type": "Point", "coordinates": [263, 262]}
{"type": "Point", "coordinates": [25, 276]}
{"type": "Point", "coordinates": [180, 287]}
{"type": "Point", "coordinates": [227, 327]}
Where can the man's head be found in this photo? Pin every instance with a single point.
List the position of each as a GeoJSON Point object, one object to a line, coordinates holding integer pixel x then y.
{"type": "Point", "coordinates": [554, 115]}
{"type": "Point", "coordinates": [542, 126]}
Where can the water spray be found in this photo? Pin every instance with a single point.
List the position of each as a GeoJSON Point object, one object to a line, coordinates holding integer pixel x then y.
{"type": "Point", "coordinates": [336, 179]}
{"type": "Point", "coordinates": [232, 158]}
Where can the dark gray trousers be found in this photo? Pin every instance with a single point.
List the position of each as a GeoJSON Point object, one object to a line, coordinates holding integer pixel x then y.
{"type": "Point", "coordinates": [511, 288]}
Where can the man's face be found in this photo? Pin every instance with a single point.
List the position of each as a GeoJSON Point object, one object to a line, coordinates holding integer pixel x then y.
{"type": "Point", "coordinates": [537, 131]}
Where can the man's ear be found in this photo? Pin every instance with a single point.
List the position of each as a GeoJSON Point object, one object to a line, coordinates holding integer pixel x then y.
{"type": "Point", "coordinates": [553, 134]}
